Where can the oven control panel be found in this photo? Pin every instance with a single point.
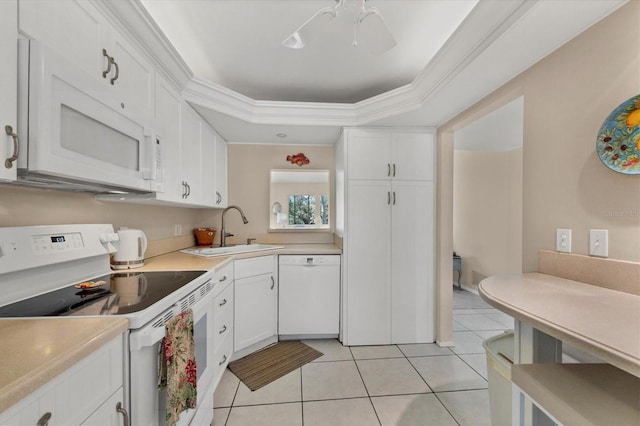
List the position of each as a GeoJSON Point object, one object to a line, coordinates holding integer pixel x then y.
{"type": "Point", "coordinates": [43, 244]}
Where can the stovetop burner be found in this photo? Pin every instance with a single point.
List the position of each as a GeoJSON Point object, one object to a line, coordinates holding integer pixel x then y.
{"type": "Point", "coordinates": [122, 293]}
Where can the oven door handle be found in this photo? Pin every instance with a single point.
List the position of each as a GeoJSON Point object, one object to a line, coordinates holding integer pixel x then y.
{"type": "Point", "coordinates": [147, 337]}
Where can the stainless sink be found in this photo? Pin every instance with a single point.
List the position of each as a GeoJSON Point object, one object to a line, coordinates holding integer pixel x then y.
{"type": "Point", "coordinates": [226, 251]}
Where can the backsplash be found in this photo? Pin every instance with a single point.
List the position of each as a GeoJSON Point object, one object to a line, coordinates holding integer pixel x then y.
{"type": "Point", "coordinates": [609, 273]}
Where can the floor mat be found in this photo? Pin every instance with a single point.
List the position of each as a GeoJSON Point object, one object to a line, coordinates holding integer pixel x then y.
{"type": "Point", "coordinates": [263, 367]}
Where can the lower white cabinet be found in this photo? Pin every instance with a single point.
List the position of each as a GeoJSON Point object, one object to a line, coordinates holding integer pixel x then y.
{"type": "Point", "coordinates": [223, 322]}
{"type": "Point", "coordinates": [255, 301]}
{"type": "Point", "coordinates": [109, 413]}
{"type": "Point", "coordinates": [87, 393]}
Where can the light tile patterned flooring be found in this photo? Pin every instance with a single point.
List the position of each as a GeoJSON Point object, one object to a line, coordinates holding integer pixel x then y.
{"type": "Point", "coordinates": [378, 385]}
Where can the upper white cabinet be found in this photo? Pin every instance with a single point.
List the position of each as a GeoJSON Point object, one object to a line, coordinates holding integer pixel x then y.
{"type": "Point", "coordinates": [77, 31]}
{"type": "Point", "coordinates": [8, 89]}
{"type": "Point", "coordinates": [221, 172]}
{"type": "Point", "coordinates": [386, 200]}
{"type": "Point", "coordinates": [385, 155]}
{"type": "Point", "coordinates": [168, 120]}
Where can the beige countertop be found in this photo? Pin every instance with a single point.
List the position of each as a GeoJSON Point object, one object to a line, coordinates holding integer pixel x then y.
{"type": "Point", "coordinates": [183, 261]}
{"type": "Point", "coordinates": [600, 321]}
{"type": "Point", "coordinates": [34, 351]}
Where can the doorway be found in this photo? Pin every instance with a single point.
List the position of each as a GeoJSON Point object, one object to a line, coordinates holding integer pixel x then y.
{"type": "Point", "coordinates": [487, 194]}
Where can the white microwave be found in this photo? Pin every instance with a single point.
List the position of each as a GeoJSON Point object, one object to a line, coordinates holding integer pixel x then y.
{"type": "Point", "coordinates": [72, 139]}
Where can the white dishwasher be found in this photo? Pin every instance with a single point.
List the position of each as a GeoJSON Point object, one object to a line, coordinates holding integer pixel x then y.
{"type": "Point", "coordinates": [309, 296]}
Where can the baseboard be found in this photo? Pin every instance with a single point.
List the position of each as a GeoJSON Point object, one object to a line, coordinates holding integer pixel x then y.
{"type": "Point", "coordinates": [447, 344]}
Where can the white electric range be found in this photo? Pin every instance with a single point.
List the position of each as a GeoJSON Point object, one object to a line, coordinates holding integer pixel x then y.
{"type": "Point", "coordinates": [64, 270]}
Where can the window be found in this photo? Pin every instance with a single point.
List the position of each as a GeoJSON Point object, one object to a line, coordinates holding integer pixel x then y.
{"type": "Point", "coordinates": [303, 210]}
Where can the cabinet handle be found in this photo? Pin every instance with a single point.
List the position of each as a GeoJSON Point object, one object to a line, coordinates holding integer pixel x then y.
{"type": "Point", "coordinates": [224, 301]}
{"type": "Point", "coordinates": [224, 359]}
{"type": "Point", "coordinates": [188, 190]}
{"type": "Point", "coordinates": [388, 169]}
{"type": "Point", "coordinates": [394, 198]}
{"type": "Point", "coordinates": [218, 198]}
{"type": "Point", "coordinates": [44, 420]}
{"type": "Point", "coordinates": [184, 189]}
{"type": "Point", "coordinates": [394, 169]}
{"type": "Point", "coordinates": [109, 59]}
{"type": "Point", "coordinates": [115, 77]}
{"type": "Point", "coordinates": [125, 414]}
{"type": "Point", "coordinates": [224, 328]}
{"type": "Point", "coordinates": [224, 278]}
{"type": "Point", "coordinates": [388, 198]}
{"type": "Point", "coordinates": [273, 282]}
{"type": "Point", "coordinates": [16, 146]}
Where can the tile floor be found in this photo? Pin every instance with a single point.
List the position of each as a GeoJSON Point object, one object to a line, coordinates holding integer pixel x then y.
{"type": "Point", "coordinates": [378, 385]}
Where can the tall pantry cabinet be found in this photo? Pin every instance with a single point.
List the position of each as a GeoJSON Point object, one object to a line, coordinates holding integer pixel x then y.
{"type": "Point", "coordinates": [385, 215]}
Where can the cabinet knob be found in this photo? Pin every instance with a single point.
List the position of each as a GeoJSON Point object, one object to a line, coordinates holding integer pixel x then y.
{"type": "Point", "coordinates": [16, 146]}
{"type": "Point", "coordinates": [125, 415]}
{"type": "Point", "coordinates": [108, 70]}
{"type": "Point", "coordinates": [44, 420]}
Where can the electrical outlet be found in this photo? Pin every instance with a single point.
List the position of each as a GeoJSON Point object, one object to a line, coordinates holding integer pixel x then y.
{"type": "Point", "coordinates": [177, 230]}
{"type": "Point", "coordinates": [599, 242]}
{"type": "Point", "coordinates": [563, 240]}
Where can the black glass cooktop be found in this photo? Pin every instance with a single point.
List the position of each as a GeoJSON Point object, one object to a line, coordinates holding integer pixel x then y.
{"type": "Point", "coordinates": [120, 293]}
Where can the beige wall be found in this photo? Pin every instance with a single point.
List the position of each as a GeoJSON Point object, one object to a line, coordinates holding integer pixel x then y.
{"type": "Point", "coordinates": [26, 206]}
{"type": "Point", "coordinates": [249, 167]}
{"type": "Point", "coordinates": [567, 96]}
{"type": "Point", "coordinates": [487, 212]}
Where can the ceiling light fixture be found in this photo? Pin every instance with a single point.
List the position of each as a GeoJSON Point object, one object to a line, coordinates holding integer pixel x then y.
{"type": "Point", "coordinates": [369, 27]}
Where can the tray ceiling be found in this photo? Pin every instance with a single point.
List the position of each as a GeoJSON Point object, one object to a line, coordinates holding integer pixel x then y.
{"type": "Point", "coordinates": [450, 54]}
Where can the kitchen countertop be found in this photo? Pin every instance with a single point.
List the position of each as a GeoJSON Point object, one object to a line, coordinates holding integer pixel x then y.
{"type": "Point", "coordinates": [597, 320]}
{"type": "Point", "coordinates": [183, 261]}
{"type": "Point", "coordinates": [36, 350]}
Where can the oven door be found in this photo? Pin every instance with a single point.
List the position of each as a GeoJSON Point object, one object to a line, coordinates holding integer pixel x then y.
{"type": "Point", "coordinates": [147, 402]}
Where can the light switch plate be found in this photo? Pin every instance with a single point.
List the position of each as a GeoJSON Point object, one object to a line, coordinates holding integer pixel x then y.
{"type": "Point", "coordinates": [599, 242]}
{"type": "Point", "coordinates": [563, 240]}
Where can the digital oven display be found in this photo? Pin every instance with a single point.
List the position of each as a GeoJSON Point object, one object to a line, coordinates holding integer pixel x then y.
{"type": "Point", "coordinates": [58, 239]}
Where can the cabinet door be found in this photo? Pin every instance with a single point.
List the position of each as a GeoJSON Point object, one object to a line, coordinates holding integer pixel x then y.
{"type": "Point", "coordinates": [168, 115]}
{"type": "Point", "coordinates": [8, 85]}
{"type": "Point", "coordinates": [369, 155]}
{"type": "Point", "coordinates": [134, 85]}
{"type": "Point", "coordinates": [207, 165]}
{"type": "Point", "coordinates": [368, 259]}
{"type": "Point", "coordinates": [109, 413]}
{"type": "Point", "coordinates": [72, 28]}
{"type": "Point", "coordinates": [412, 254]}
{"type": "Point", "coordinates": [191, 136]}
{"type": "Point", "coordinates": [221, 172]}
{"type": "Point", "coordinates": [255, 313]}
{"type": "Point", "coordinates": [412, 156]}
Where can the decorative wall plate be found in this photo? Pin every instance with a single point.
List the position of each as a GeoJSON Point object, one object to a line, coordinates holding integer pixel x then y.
{"type": "Point", "coordinates": [618, 144]}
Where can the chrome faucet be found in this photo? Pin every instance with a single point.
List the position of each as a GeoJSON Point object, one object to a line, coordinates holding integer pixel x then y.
{"type": "Point", "coordinates": [223, 233]}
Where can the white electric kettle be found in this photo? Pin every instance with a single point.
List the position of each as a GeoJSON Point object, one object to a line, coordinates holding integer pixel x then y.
{"type": "Point", "coordinates": [131, 248]}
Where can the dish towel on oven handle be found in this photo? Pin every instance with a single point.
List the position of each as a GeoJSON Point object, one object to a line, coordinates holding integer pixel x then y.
{"type": "Point", "coordinates": [177, 366]}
